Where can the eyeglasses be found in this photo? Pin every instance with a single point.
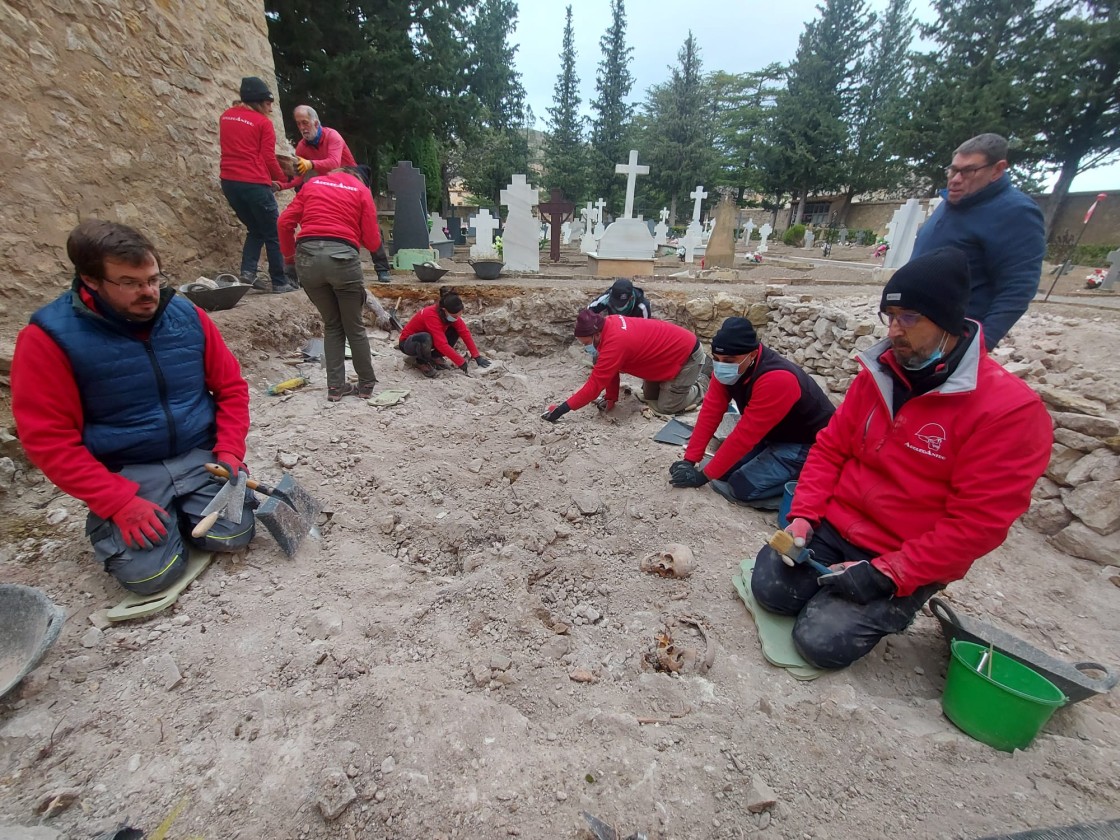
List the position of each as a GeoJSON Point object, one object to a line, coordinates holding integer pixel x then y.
{"type": "Point", "coordinates": [952, 171]}
{"type": "Point", "coordinates": [906, 320]}
{"type": "Point", "coordinates": [160, 281]}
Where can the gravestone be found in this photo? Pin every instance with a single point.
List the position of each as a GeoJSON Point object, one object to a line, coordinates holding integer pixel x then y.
{"type": "Point", "coordinates": [627, 237]}
{"type": "Point", "coordinates": [721, 244]}
{"type": "Point", "coordinates": [1113, 274]}
{"type": "Point", "coordinates": [764, 232]}
{"type": "Point", "coordinates": [410, 224]}
{"type": "Point", "coordinates": [438, 239]}
{"type": "Point", "coordinates": [484, 226]}
{"type": "Point", "coordinates": [661, 229]}
{"type": "Point", "coordinates": [748, 232]}
{"type": "Point", "coordinates": [694, 233]}
{"type": "Point", "coordinates": [843, 235]}
{"type": "Point", "coordinates": [810, 238]}
{"type": "Point", "coordinates": [566, 233]}
{"type": "Point", "coordinates": [559, 211]}
{"type": "Point", "coordinates": [521, 248]}
{"type": "Point", "coordinates": [904, 230]}
{"type": "Point", "coordinates": [455, 230]}
{"type": "Point", "coordinates": [861, 237]}
{"type": "Point", "coordinates": [578, 227]}
{"type": "Point", "coordinates": [600, 226]}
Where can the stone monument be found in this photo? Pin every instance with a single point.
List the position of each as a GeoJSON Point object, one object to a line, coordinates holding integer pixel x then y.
{"type": "Point", "coordinates": [410, 222]}
{"type": "Point", "coordinates": [721, 244]}
{"type": "Point", "coordinates": [626, 248]}
{"type": "Point", "coordinates": [438, 239]}
{"type": "Point", "coordinates": [521, 235]}
{"type": "Point", "coordinates": [764, 234]}
{"type": "Point", "coordinates": [904, 230]}
{"type": "Point", "coordinates": [559, 211]}
{"type": "Point", "coordinates": [694, 234]}
{"type": "Point", "coordinates": [484, 226]}
{"type": "Point", "coordinates": [661, 230]}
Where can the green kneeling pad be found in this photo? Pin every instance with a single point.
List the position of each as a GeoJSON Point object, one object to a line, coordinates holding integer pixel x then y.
{"type": "Point", "coordinates": [775, 632]}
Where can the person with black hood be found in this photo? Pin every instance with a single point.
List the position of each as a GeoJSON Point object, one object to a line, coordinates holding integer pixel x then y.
{"type": "Point", "coordinates": [781, 410]}
{"type": "Point", "coordinates": [622, 298]}
{"type": "Point", "coordinates": [250, 175]}
{"type": "Point", "coordinates": [336, 216]}
{"type": "Point", "coordinates": [929, 459]}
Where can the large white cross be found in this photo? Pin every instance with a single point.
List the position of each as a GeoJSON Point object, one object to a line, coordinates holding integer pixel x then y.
{"type": "Point", "coordinates": [699, 195]}
{"type": "Point", "coordinates": [599, 205]}
{"type": "Point", "coordinates": [518, 188]}
{"type": "Point", "coordinates": [631, 170]}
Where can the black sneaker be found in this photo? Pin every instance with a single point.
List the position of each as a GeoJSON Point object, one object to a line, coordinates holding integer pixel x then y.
{"type": "Point", "coordinates": [259, 284]}
{"type": "Point", "coordinates": [284, 289]}
{"type": "Point", "coordinates": [384, 277]}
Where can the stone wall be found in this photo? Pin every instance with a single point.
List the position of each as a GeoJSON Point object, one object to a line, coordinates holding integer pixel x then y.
{"type": "Point", "coordinates": [112, 113]}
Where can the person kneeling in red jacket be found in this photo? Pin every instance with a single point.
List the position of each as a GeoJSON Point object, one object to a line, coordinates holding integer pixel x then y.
{"type": "Point", "coordinates": [924, 467]}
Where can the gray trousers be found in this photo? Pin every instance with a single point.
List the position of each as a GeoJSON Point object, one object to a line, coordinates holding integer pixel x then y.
{"type": "Point", "coordinates": [684, 389]}
{"type": "Point", "coordinates": [182, 487]}
{"type": "Point", "coordinates": [331, 276]}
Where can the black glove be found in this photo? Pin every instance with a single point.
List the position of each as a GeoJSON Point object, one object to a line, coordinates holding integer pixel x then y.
{"type": "Point", "coordinates": [555, 412]}
{"type": "Point", "coordinates": [860, 582]}
{"type": "Point", "coordinates": [463, 366]}
{"type": "Point", "coordinates": [677, 466]}
{"type": "Point", "coordinates": [688, 476]}
{"type": "Point", "coordinates": [482, 361]}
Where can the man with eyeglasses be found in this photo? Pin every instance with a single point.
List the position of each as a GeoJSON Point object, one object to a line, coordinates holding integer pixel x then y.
{"type": "Point", "coordinates": [926, 464]}
{"type": "Point", "coordinates": [999, 228]}
{"type": "Point", "coordinates": [122, 391]}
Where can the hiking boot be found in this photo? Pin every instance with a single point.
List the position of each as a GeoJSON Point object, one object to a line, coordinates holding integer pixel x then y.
{"type": "Point", "coordinates": [259, 284]}
{"type": "Point", "coordinates": [284, 288]}
{"type": "Point", "coordinates": [337, 392]}
{"type": "Point", "coordinates": [365, 389]}
{"type": "Point", "coordinates": [384, 277]}
{"type": "Point", "coordinates": [427, 370]}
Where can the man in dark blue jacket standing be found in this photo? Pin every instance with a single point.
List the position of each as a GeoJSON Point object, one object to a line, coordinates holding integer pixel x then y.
{"type": "Point", "coordinates": [999, 228]}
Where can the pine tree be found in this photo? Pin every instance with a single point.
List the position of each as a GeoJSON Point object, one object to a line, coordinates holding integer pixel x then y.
{"type": "Point", "coordinates": [808, 136]}
{"type": "Point", "coordinates": [878, 107]}
{"type": "Point", "coordinates": [565, 156]}
{"type": "Point", "coordinates": [613, 114]}
{"type": "Point", "coordinates": [678, 140]}
{"type": "Point", "coordinates": [742, 104]}
{"type": "Point", "coordinates": [1075, 99]}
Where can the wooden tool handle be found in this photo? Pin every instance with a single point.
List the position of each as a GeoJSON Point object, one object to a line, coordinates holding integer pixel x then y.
{"type": "Point", "coordinates": [205, 524]}
{"type": "Point", "coordinates": [222, 472]}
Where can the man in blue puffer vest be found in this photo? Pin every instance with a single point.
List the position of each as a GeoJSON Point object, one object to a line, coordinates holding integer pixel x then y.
{"type": "Point", "coordinates": [999, 228]}
{"type": "Point", "coordinates": [121, 393]}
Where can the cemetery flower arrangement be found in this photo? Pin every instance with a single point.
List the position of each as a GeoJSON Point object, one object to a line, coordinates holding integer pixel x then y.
{"type": "Point", "coordinates": [1096, 279]}
{"type": "Point", "coordinates": [754, 257]}
{"type": "Point", "coordinates": [498, 245]}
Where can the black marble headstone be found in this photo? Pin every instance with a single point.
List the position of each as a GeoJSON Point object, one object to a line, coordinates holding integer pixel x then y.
{"type": "Point", "coordinates": [455, 230]}
{"type": "Point", "coordinates": [410, 223]}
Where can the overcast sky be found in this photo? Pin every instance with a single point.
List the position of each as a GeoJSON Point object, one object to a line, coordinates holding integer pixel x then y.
{"type": "Point", "coordinates": [736, 36]}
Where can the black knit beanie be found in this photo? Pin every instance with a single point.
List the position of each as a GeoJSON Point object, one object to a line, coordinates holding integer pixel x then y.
{"type": "Point", "coordinates": [255, 90]}
{"type": "Point", "coordinates": [735, 337]}
{"type": "Point", "coordinates": [936, 285]}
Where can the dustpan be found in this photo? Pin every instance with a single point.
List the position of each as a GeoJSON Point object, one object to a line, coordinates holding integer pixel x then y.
{"type": "Point", "coordinates": [1072, 678]}
{"type": "Point", "coordinates": [29, 625]}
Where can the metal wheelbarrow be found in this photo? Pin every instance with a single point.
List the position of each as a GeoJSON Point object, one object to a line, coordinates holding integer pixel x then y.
{"type": "Point", "coordinates": [29, 625]}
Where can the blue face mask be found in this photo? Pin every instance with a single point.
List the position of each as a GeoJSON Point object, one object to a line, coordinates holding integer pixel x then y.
{"type": "Point", "coordinates": [726, 373]}
{"type": "Point", "coordinates": [592, 351]}
{"type": "Point", "coordinates": [936, 356]}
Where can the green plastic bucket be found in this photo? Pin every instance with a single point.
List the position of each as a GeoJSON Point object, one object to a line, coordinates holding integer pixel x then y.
{"type": "Point", "coordinates": [1005, 710]}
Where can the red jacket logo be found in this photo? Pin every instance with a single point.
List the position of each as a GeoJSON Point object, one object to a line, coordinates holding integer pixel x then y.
{"type": "Point", "coordinates": [932, 437]}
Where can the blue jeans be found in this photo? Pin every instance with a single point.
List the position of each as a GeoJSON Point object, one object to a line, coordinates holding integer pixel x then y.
{"type": "Point", "coordinates": [255, 207]}
{"type": "Point", "coordinates": [763, 472]}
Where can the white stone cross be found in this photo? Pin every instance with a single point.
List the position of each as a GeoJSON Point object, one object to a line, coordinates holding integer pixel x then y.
{"type": "Point", "coordinates": [764, 232]}
{"type": "Point", "coordinates": [599, 206]}
{"type": "Point", "coordinates": [631, 170]}
{"type": "Point", "coordinates": [699, 195]}
{"type": "Point", "coordinates": [484, 226]}
{"type": "Point", "coordinates": [748, 230]}
{"type": "Point", "coordinates": [589, 219]}
{"type": "Point", "coordinates": [664, 214]}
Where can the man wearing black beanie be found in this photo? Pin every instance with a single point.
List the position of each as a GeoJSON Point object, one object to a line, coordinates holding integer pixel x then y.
{"type": "Point", "coordinates": [923, 469]}
{"type": "Point", "coordinates": [781, 410]}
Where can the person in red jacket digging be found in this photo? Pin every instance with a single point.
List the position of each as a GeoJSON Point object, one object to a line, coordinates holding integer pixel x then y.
{"type": "Point", "coordinates": [122, 391]}
{"type": "Point", "coordinates": [669, 358]}
{"type": "Point", "coordinates": [431, 334]}
{"type": "Point", "coordinates": [923, 469]}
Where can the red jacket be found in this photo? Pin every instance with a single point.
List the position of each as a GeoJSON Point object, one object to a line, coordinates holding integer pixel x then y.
{"type": "Point", "coordinates": [331, 153]}
{"type": "Point", "coordinates": [49, 418]}
{"type": "Point", "coordinates": [429, 320]}
{"type": "Point", "coordinates": [937, 486]}
{"type": "Point", "coordinates": [248, 143]}
{"type": "Point", "coordinates": [651, 350]}
{"type": "Point", "coordinates": [334, 206]}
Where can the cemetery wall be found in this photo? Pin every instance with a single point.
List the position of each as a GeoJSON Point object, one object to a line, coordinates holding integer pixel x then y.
{"type": "Point", "coordinates": [1104, 229]}
{"type": "Point", "coordinates": [113, 110]}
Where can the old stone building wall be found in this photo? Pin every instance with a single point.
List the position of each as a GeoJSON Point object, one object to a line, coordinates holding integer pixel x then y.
{"type": "Point", "coordinates": [112, 112]}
